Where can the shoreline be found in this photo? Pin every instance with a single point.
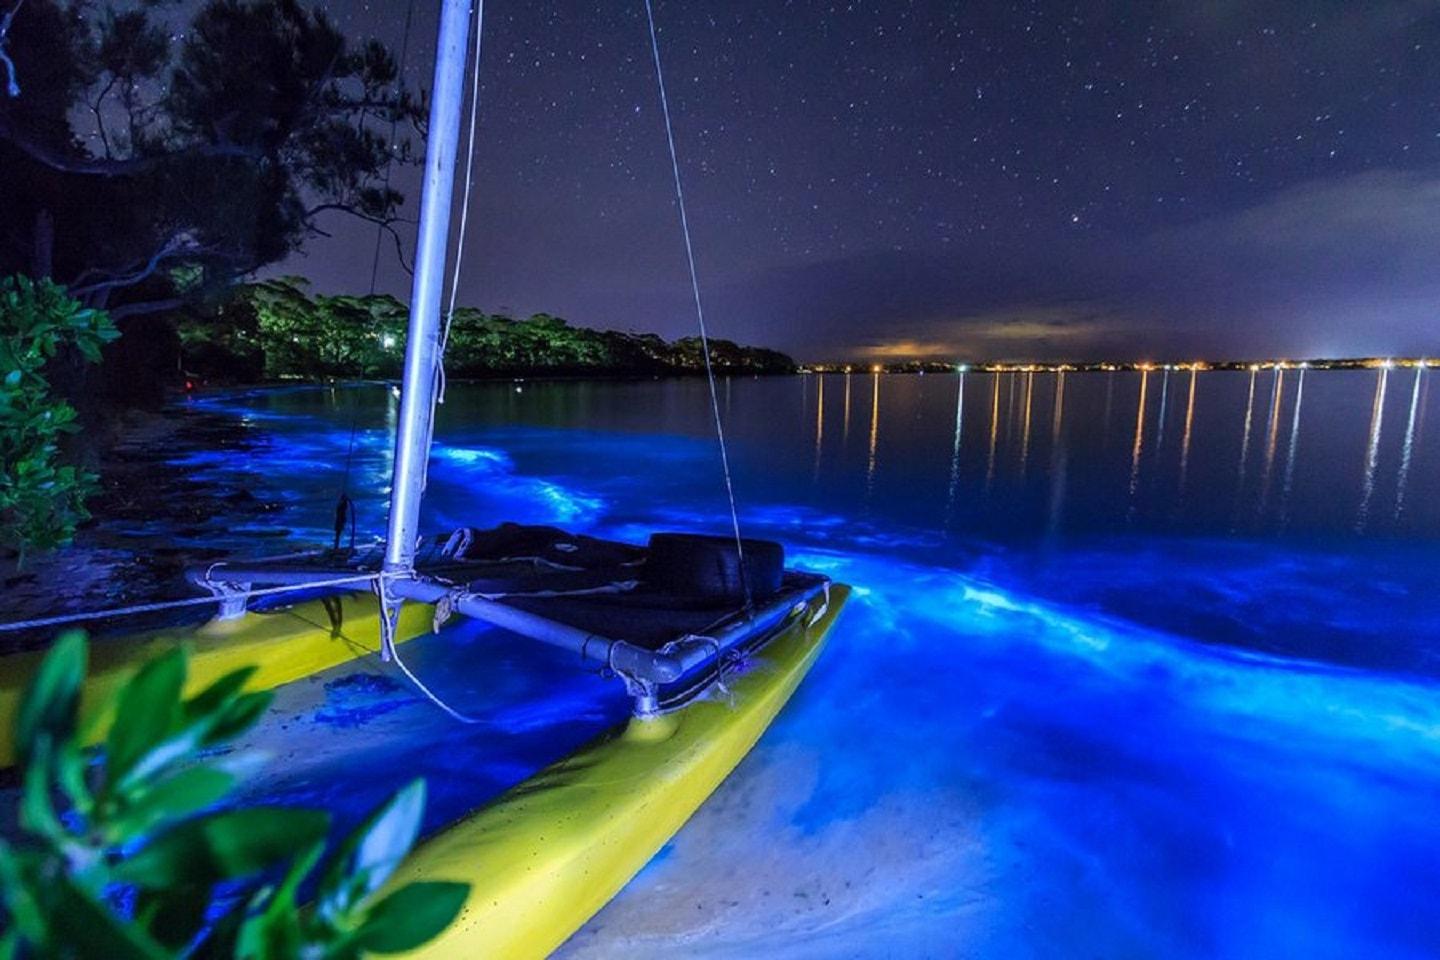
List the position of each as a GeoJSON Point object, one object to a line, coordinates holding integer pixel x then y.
{"type": "Point", "coordinates": [148, 523]}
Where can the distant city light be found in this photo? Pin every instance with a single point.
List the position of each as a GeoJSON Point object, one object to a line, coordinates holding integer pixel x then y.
{"type": "Point", "coordinates": [387, 341]}
{"type": "Point", "coordinates": [919, 367]}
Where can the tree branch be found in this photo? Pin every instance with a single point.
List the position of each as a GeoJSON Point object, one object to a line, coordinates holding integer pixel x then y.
{"type": "Point", "coordinates": [171, 249]}
{"type": "Point", "coordinates": [384, 223]}
{"type": "Point", "coordinates": [95, 108]}
{"type": "Point", "coordinates": [120, 168]}
{"type": "Point", "coordinates": [12, 85]}
{"type": "Point", "coordinates": [145, 306]}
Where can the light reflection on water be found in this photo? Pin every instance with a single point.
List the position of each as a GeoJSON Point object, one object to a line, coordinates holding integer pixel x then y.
{"type": "Point", "coordinates": [1096, 694]}
{"type": "Point", "coordinates": [1372, 452]}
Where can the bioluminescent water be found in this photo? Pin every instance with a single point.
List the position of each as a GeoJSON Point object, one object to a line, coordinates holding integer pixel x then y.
{"type": "Point", "coordinates": [1137, 664]}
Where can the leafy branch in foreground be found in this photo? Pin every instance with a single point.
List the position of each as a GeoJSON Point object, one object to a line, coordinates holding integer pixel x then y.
{"type": "Point", "coordinates": [41, 498]}
{"type": "Point", "coordinates": [129, 851]}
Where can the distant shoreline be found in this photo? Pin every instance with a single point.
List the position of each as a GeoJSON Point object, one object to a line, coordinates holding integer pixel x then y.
{"type": "Point", "coordinates": [1132, 366]}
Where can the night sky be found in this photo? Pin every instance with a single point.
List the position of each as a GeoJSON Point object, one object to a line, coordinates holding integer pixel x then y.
{"type": "Point", "coordinates": [960, 180]}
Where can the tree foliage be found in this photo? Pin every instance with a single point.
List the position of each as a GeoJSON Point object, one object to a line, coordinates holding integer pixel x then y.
{"type": "Point", "coordinates": [134, 855]}
{"type": "Point", "coordinates": [41, 497]}
{"type": "Point", "coordinates": [299, 334]}
{"type": "Point", "coordinates": [141, 173]}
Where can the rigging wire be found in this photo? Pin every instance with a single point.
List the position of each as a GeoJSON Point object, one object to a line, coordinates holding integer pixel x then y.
{"type": "Point", "coordinates": [699, 309]}
{"type": "Point", "coordinates": [390, 142]}
{"type": "Point", "coordinates": [187, 602]}
{"type": "Point", "coordinates": [469, 185]}
{"type": "Point", "coordinates": [344, 505]}
{"type": "Point", "coordinates": [439, 393]}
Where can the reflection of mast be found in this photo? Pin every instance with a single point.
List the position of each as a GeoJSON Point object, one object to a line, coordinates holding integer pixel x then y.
{"type": "Point", "coordinates": [1290, 450]}
{"type": "Point", "coordinates": [1139, 434]}
{"type": "Point", "coordinates": [1372, 450]}
{"type": "Point", "coordinates": [955, 450]}
{"type": "Point", "coordinates": [1189, 425]}
{"type": "Point", "coordinates": [1408, 450]}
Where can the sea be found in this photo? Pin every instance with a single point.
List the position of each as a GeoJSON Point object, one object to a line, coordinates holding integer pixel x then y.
{"type": "Point", "coordinates": [1137, 664]}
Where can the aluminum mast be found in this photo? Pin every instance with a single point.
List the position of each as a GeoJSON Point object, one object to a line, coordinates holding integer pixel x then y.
{"type": "Point", "coordinates": [422, 342]}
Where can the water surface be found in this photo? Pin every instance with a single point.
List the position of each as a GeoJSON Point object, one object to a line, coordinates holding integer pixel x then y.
{"type": "Point", "coordinates": [1136, 665]}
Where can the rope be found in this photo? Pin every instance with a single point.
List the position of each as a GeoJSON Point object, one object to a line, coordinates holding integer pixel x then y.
{"type": "Point", "coordinates": [391, 651]}
{"type": "Point", "coordinates": [464, 198]}
{"type": "Point", "coordinates": [699, 309]}
{"type": "Point", "coordinates": [176, 604]}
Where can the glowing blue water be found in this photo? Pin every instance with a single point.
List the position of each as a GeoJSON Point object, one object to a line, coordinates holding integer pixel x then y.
{"type": "Point", "coordinates": [1117, 680]}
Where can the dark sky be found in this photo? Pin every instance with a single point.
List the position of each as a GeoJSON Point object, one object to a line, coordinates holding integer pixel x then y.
{"type": "Point", "coordinates": [966, 180]}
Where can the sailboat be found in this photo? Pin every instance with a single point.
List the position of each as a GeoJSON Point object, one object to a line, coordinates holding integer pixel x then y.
{"type": "Point", "coordinates": [674, 621]}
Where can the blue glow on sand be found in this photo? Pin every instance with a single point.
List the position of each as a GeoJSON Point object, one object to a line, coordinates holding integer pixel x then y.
{"type": "Point", "coordinates": [1119, 746]}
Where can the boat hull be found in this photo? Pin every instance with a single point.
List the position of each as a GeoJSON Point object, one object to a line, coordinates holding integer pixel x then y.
{"type": "Point", "coordinates": [547, 855]}
{"type": "Point", "coordinates": [284, 645]}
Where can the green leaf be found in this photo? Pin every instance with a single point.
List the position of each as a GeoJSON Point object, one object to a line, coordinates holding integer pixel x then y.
{"type": "Point", "coordinates": [12, 379]}
{"type": "Point", "coordinates": [70, 766]}
{"type": "Point", "coordinates": [174, 749]}
{"type": "Point", "coordinates": [234, 711]}
{"type": "Point", "coordinates": [88, 928]}
{"type": "Point", "coordinates": [370, 855]}
{"type": "Point", "coordinates": [53, 696]}
{"type": "Point", "coordinates": [174, 798]}
{"type": "Point", "coordinates": [219, 693]}
{"type": "Point", "coordinates": [275, 931]}
{"type": "Point", "coordinates": [21, 905]}
{"type": "Point", "coordinates": [240, 715]}
{"type": "Point", "coordinates": [173, 916]}
{"type": "Point", "coordinates": [412, 915]}
{"type": "Point", "coordinates": [146, 713]}
{"type": "Point", "coordinates": [37, 810]}
{"type": "Point", "coordinates": [222, 846]}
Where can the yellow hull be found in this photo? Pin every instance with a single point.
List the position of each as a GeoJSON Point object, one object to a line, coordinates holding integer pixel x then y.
{"type": "Point", "coordinates": [547, 855]}
{"type": "Point", "coordinates": [285, 645]}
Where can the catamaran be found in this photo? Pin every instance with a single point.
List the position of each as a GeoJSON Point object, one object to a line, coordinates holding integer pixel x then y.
{"type": "Point", "coordinates": [673, 621]}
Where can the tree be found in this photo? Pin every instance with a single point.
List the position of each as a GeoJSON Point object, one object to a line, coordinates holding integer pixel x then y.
{"type": "Point", "coordinates": [142, 174]}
